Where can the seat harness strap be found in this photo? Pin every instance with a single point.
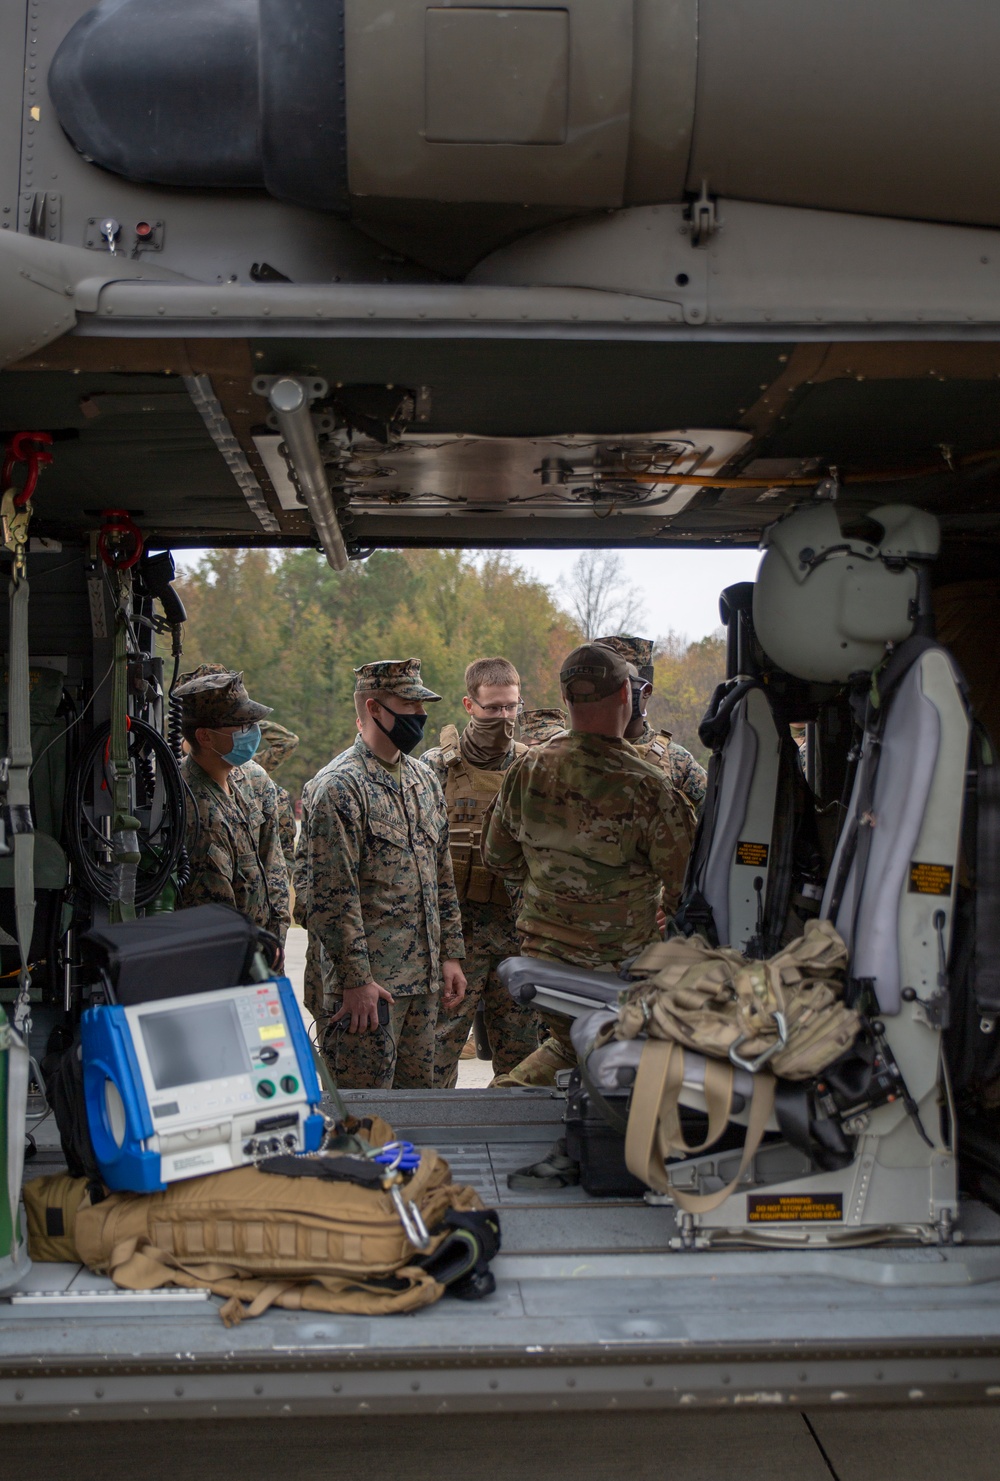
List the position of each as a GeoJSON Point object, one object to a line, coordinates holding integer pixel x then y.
{"type": "Point", "coordinates": [15, 767]}
{"type": "Point", "coordinates": [986, 861]}
{"type": "Point", "coordinates": [18, 808]}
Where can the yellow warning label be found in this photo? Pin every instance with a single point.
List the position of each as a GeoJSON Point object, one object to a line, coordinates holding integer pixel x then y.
{"type": "Point", "coordinates": [273, 1031]}
{"type": "Point", "coordinates": [930, 879]}
{"type": "Point", "coordinates": [803, 1208]}
{"type": "Point", "coordinates": [752, 854]}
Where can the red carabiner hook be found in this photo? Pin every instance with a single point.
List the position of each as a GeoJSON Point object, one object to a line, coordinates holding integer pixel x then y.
{"type": "Point", "coordinates": [118, 523]}
{"type": "Point", "coordinates": [28, 448]}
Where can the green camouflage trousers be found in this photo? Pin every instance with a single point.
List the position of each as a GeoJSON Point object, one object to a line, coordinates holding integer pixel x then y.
{"type": "Point", "coordinates": [369, 1061]}
{"type": "Point", "coordinates": [312, 980]}
{"type": "Point", "coordinates": [541, 1066]}
{"type": "Point", "coordinates": [513, 1031]}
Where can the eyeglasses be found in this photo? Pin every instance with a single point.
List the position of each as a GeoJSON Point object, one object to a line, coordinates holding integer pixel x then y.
{"type": "Point", "coordinates": [512, 709]}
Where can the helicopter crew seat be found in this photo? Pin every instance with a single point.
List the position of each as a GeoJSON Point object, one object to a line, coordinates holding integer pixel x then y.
{"type": "Point", "coordinates": [835, 610]}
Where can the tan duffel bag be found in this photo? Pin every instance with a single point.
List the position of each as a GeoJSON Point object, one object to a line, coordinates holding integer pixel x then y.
{"type": "Point", "coordinates": [786, 1012]}
{"type": "Point", "coordinates": [263, 1239]}
{"type": "Point", "coordinates": [783, 1018]}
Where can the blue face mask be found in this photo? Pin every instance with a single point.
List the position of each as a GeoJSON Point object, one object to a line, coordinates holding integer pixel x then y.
{"type": "Point", "coordinates": [245, 745]}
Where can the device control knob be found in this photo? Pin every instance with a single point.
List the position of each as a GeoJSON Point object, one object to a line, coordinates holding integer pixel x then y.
{"type": "Point", "coordinates": [289, 1084]}
{"type": "Point", "coordinates": [265, 1088]}
{"type": "Point", "coordinates": [268, 1055]}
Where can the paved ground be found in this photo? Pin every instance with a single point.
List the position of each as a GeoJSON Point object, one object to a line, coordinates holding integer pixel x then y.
{"type": "Point", "coordinates": [473, 1074]}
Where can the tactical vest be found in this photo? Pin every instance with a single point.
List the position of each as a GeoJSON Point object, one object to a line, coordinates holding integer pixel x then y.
{"type": "Point", "coordinates": [468, 792]}
{"type": "Point", "coordinates": [656, 751]}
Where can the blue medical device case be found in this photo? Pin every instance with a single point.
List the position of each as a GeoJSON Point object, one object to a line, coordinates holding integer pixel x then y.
{"type": "Point", "coordinates": [153, 1127]}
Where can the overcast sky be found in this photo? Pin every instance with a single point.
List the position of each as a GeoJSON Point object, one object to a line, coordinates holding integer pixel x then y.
{"type": "Point", "coordinates": [679, 589]}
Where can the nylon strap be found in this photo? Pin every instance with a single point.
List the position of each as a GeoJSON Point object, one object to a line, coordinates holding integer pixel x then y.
{"type": "Point", "coordinates": [19, 792]}
{"type": "Point", "coordinates": [124, 826]}
{"type": "Point", "coordinates": [986, 961]}
{"type": "Point", "coordinates": [654, 1126]}
{"type": "Point", "coordinates": [654, 1122]}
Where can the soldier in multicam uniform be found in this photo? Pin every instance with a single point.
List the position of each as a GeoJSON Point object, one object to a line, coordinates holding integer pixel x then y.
{"type": "Point", "coordinates": [378, 890]}
{"type": "Point", "coordinates": [593, 833]}
{"type": "Point", "coordinates": [276, 745]}
{"type": "Point", "coordinates": [470, 768]}
{"type": "Point", "coordinates": [685, 773]}
{"type": "Point", "coordinates": [232, 826]}
{"type": "Point", "coordinates": [538, 726]}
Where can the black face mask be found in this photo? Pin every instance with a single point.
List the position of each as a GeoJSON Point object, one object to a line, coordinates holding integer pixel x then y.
{"type": "Point", "coordinates": [637, 689]}
{"type": "Point", "coordinates": [407, 730]}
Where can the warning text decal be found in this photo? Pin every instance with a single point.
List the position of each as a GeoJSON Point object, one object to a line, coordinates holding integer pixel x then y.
{"type": "Point", "coordinates": [930, 879]}
{"type": "Point", "coordinates": [752, 854]}
{"type": "Point", "coordinates": [803, 1208]}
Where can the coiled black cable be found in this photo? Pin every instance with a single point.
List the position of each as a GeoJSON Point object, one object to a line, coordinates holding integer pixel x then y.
{"type": "Point", "coordinates": [161, 846]}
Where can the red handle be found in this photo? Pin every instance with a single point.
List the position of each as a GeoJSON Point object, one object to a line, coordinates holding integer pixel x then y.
{"type": "Point", "coordinates": [28, 448]}
{"type": "Point", "coordinates": [118, 522]}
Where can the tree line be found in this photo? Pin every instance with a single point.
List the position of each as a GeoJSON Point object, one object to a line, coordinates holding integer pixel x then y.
{"type": "Point", "coordinates": [298, 630]}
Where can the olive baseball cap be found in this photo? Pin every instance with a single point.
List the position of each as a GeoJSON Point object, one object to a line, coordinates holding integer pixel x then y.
{"type": "Point", "coordinates": [398, 676]}
{"type": "Point", "coordinates": [592, 672]}
{"type": "Point", "coordinates": [214, 696]}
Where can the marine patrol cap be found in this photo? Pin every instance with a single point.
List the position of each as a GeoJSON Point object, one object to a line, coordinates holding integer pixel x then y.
{"type": "Point", "coordinates": [398, 676]}
{"type": "Point", "coordinates": [592, 672]}
{"type": "Point", "coordinates": [276, 745]}
{"type": "Point", "coordinates": [540, 725]}
{"type": "Point", "coordinates": [635, 650]}
{"type": "Point", "coordinates": [215, 696]}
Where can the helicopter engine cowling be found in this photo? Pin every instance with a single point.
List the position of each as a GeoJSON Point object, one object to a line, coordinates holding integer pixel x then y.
{"type": "Point", "coordinates": [888, 109]}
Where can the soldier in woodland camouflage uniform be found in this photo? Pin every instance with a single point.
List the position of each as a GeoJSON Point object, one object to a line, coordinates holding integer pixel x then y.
{"type": "Point", "coordinates": [684, 771]}
{"type": "Point", "coordinates": [232, 825]}
{"type": "Point", "coordinates": [538, 726]}
{"type": "Point", "coordinates": [592, 832]}
{"type": "Point", "coordinates": [378, 891]}
{"type": "Point", "coordinates": [276, 745]}
{"type": "Point", "coordinates": [470, 768]}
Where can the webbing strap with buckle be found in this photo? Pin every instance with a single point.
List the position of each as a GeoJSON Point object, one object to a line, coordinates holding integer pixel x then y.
{"type": "Point", "coordinates": [18, 793]}
{"type": "Point", "coordinates": [654, 1130]}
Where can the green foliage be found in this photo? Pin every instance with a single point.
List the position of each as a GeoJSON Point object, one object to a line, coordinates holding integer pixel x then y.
{"type": "Point", "coordinates": [298, 630]}
{"type": "Point", "coordinates": [686, 675]}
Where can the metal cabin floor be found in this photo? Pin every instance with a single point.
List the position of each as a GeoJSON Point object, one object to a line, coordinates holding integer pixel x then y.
{"type": "Point", "coordinates": [591, 1313]}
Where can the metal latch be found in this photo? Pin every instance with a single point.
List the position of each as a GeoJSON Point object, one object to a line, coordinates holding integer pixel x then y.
{"type": "Point", "coordinates": [704, 220]}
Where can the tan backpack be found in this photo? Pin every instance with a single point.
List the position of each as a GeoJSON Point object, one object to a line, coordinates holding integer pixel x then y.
{"type": "Point", "coordinates": [262, 1239]}
{"type": "Point", "coordinates": [783, 1017]}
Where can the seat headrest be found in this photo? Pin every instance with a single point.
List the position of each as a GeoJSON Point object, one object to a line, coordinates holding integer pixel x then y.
{"type": "Point", "coordinates": [825, 603]}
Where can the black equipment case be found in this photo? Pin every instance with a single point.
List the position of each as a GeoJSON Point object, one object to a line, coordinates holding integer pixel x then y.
{"type": "Point", "coordinates": [172, 954]}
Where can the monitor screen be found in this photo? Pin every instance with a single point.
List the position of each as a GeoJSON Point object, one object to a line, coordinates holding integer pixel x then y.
{"type": "Point", "coordinates": [188, 1045]}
